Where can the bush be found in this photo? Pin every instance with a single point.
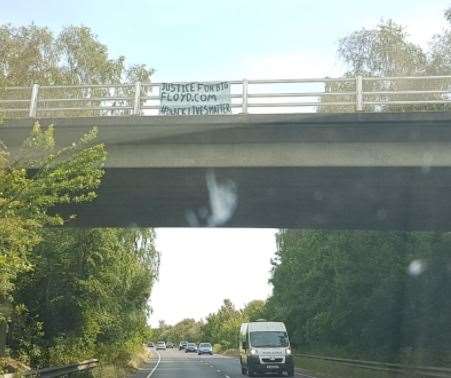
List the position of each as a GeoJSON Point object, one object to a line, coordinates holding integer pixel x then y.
{"type": "Point", "coordinates": [217, 348]}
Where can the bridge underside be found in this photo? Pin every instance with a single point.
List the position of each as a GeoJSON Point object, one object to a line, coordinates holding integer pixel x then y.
{"type": "Point", "coordinates": [404, 198]}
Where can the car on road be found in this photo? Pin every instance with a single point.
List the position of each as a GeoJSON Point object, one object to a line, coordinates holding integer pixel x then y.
{"type": "Point", "coordinates": [161, 345]}
{"type": "Point", "coordinates": [151, 345]}
{"type": "Point", "coordinates": [265, 348]}
{"type": "Point", "coordinates": [205, 348]}
{"type": "Point", "coordinates": [191, 348]}
{"type": "Point", "coordinates": [182, 345]}
{"type": "Point", "coordinates": [170, 345]}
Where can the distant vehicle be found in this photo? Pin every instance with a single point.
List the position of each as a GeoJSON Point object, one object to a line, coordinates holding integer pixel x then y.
{"type": "Point", "coordinates": [265, 347]}
{"type": "Point", "coordinates": [151, 345]}
{"type": "Point", "coordinates": [161, 345]}
{"type": "Point", "coordinates": [170, 345]}
{"type": "Point", "coordinates": [191, 347]}
{"type": "Point", "coordinates": [182, 345]}
{"type": "Point", "coordinates": [205, 348]}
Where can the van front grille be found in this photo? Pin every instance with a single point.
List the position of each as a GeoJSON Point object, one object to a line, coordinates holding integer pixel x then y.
{"type": "Point", "coordinates": [272, 359]}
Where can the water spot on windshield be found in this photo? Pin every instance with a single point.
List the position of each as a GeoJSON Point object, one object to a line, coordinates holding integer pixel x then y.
{"type": "Point", "coordinates": [416, 267]}
{"type": "Point", "coordinates": [223, 201]}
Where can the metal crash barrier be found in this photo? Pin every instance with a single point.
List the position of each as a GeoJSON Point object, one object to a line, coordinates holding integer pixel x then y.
{"type": "Point", "coordinates": [398, 369]}
{"type": "Point", "coordinates": [63, 371]}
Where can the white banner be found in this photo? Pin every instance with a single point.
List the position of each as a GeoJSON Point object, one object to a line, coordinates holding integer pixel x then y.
{"type": "Point", "coordinates": [195, 98]}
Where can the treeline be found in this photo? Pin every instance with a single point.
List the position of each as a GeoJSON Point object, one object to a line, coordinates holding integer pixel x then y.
{"type": "Point", "coordinates": [220, 328]}
{"type": "Point", "coordinates": [378, 295]}
{"type": "Point", "coordinates": [65, 294]}
{"type": "Point", "coordinates": [85, 296]}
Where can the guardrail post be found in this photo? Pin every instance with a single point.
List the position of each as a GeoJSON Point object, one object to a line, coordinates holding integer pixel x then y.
{"type": "Point", "coordinates": [34, 101]}
{"type": "Point", "coordinates": [359, 93]}
{"type": "Point", "coordinates": [244, 96]}
{"type": "Point", "coordinates": [137, 100]}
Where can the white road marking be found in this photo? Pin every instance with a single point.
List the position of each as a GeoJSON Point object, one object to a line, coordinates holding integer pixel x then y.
{"type": "Point", "coordinates": [155, 367]}
{"type": "Point", "coordinates": [218, 370]}
{"type": "Point", "coordinates": [227, 376]}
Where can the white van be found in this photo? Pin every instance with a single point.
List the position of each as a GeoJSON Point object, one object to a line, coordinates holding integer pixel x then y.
{"type": "Point", "coordinates": [265, 347]}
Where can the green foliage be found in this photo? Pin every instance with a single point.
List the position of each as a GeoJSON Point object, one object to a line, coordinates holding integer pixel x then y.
{"type": "Point", "coordinates": [59, 176]}
{"type": "Point", "coordinates": [352, 290]}
{"type": "Point", "coordinates": [385, 51]}
{"type": "Point", "coordinates": [187, 329]}
{"type": "Point", "coordinates": [33, 54]}
{"type": "Point", "coordinates": [89, 291]}
{"type": "Point", "coordinates": [222, 327]}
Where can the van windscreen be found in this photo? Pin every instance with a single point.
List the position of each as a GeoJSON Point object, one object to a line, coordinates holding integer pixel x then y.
{"type": "Point", "coordinates": [261, 339]}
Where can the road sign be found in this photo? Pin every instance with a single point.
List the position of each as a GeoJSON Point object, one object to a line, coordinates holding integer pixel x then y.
{"type": "Point", "coordinates": [195, 98]}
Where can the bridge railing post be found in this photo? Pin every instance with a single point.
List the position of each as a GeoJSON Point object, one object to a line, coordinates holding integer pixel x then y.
{"type": "Point", "coordinates": [137, 99]}
{"type": "Point", "coordinates": [34, 101]}
{"type": "Point", "coordinates": [359, 93]}
{"type": "Point", "coordinates": [244, 96]}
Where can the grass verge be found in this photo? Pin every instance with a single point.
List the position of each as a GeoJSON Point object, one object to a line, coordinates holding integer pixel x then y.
{"type": "Point", "coordinates": [114, 371]}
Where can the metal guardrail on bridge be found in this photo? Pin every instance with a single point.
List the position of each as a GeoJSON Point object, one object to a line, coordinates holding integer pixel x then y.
{"type": "Point", "coordinates": [344, 94]}
{"type": "Point", "coordinates": [398, 369]}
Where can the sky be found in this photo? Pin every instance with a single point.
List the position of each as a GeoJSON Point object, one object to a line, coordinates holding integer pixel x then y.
{"type": "Point", "coordinates": [201, 267]}
{"type": "Point", "coordinates": [224, 40]}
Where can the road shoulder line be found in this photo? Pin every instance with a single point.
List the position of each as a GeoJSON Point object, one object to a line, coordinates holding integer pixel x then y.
{"type": "Point", "coordinates": [155, 367]}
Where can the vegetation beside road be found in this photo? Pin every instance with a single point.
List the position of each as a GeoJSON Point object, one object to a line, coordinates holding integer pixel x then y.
{"type": "Point", "coordinates": [219, 329]}
{"type": "Point", "coordinates": [65, 294]}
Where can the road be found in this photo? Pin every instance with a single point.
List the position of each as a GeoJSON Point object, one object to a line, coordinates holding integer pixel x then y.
{"type": "Point", "coordinates": [178, 364]}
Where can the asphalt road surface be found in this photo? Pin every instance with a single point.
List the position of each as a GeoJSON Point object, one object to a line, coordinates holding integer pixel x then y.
{"type": "Point", "coordinates": [174, 363]}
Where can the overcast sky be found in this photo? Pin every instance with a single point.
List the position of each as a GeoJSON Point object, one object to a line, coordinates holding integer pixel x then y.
{"type": "Point", "coordinates": [220, 40]}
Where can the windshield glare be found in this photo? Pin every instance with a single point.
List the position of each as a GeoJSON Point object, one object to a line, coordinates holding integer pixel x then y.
{"type": "Point", "coordinates": [272, 339]}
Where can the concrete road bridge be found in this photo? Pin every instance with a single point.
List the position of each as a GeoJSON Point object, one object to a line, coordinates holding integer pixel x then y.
{"type": "Point", "coordinates": [365, 153]}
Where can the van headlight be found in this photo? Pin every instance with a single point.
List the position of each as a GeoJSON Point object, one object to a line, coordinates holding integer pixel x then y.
{"type": "Point", "coordinates": [288, 351]}
{"type": "Point", "coordinates": [254, 352]}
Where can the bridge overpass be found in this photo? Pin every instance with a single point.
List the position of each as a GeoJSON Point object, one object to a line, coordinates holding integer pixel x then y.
{"type": "Point", "coordinates": [354, 167]}
{"type": "Point", "coordinates": [349, 170]}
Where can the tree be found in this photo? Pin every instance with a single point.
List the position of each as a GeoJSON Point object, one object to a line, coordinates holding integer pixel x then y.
{"type": "Point", "coordinates": [186, 329]}
{"type": "Point", "coordinates": [385, 52]}
{"type": "Point", "coordinates": [32, 54]}
{"type": "Point", "coordinates": [354, 293]}
{"type": "Point", "coordinates": [254, 310]}
{"type": "Point", "coordinates": [89, 291]}
{"type": "Point", "coordinates": [223, 327]}
{"type": "Point", "coordinates": [58, 176]}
